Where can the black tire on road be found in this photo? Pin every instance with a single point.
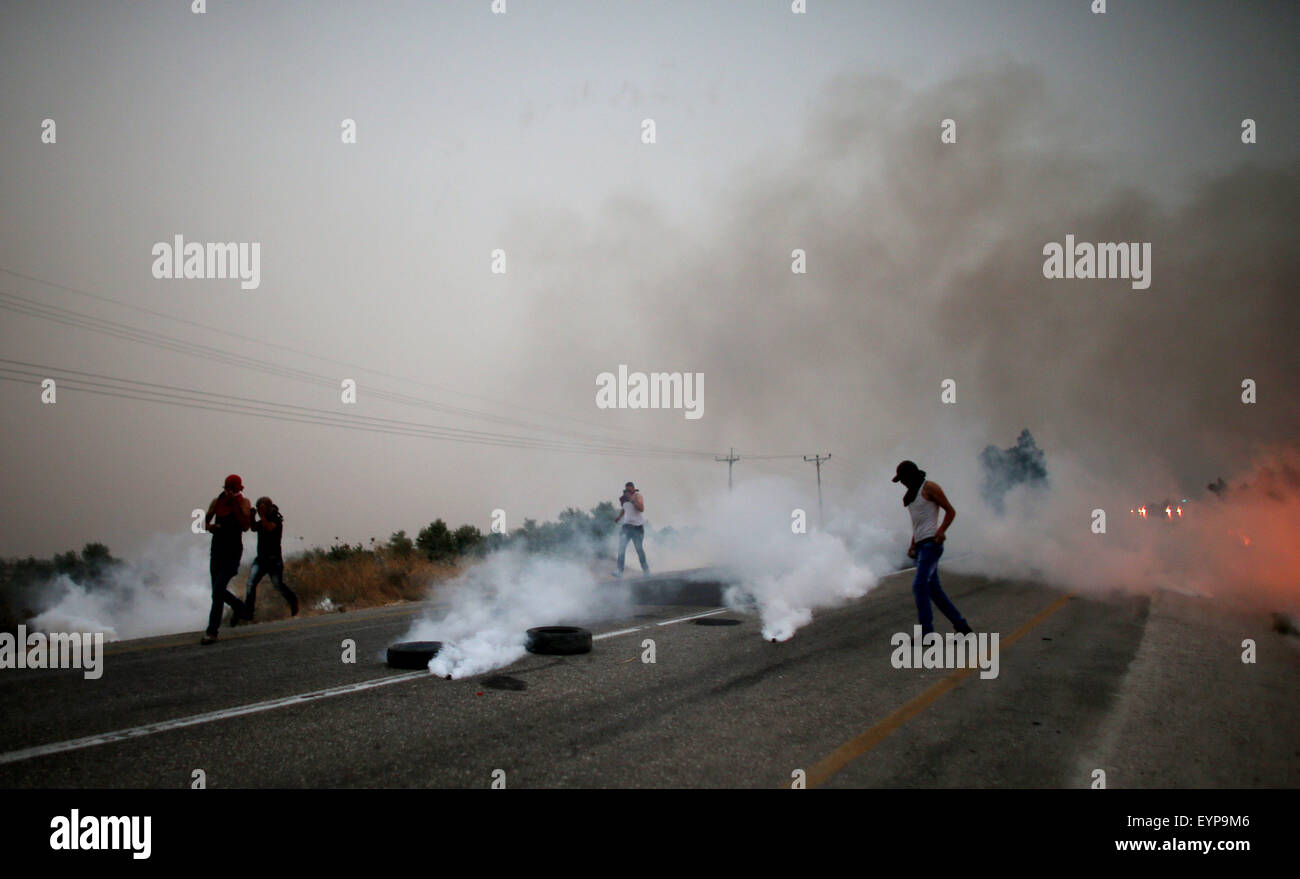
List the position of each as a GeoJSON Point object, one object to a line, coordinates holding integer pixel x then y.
{"type": "Point", "coordinates": [559, 640]}
{"type": "Point", "coordinates": [412, 654]}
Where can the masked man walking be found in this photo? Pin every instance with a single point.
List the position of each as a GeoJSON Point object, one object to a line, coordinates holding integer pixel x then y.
{"type": "Point", "coordinates": [923, 501]}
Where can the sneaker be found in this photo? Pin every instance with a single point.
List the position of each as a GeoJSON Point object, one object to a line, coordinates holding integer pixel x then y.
{"type": "Point", "coordinates": [208, 639]}
{"type": "Point", "coordinates": [293, 605]}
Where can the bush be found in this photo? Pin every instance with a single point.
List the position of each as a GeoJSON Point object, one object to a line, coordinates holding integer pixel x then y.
{"type": "Point", "coordinates": [400, 545]}
{"type": "Point", "coordinates": [435, 540]}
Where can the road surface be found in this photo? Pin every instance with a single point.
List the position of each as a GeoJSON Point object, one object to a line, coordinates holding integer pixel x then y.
{"type": "Point", "coordinates": [1151, 690]}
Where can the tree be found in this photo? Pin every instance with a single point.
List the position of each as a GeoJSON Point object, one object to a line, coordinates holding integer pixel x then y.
{"type": "Point", "coordinates": [96, 557]}
{"type": "Point", "coordinates": [64, 563]}
{"type": "Point", "coordinates": [436, 541]}
{"type": "Point", "coordinates": [400, 545]}
{"type": "Point", "coordinates": [1004, 469]}
{"type": "Point", "coordinates": [466, 539]}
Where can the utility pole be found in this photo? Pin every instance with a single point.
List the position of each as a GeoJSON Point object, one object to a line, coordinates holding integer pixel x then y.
{"type": "Point", "coordinates": [817, 459]}
{"type": "Point", "coordinates": [731, 458]}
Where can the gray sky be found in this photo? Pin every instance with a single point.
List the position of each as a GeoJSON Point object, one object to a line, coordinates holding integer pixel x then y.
{"type": "Point", "coordinates": [522, 132]}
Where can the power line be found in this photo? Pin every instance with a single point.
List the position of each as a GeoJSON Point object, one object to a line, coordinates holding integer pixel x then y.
{"type": "Point", "coordinates": [195, 398]}
{"type": "Point", "coordinates": [264, 342]}
{"type": "Point", "coordinates": [112, 328]}
{"type": "Point", "coordinates": [89, 382]}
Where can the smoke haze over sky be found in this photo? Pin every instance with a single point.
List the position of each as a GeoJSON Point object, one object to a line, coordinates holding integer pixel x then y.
{"type": "Point", "coordinates": [522, 132]}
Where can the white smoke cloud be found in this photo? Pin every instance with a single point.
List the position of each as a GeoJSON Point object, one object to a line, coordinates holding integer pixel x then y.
{"type": "Point", "coordinates": [784, 574]}
{"type": "Point", "coordinates": [494, 603]}
{"type": "Point", "coordinates": [167, 590]}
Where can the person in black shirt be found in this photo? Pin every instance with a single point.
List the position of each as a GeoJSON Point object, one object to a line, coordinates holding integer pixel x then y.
{"type": "Point", "coordinates": [269, 561]}
{"type": "Point", "coordinates": [228, 518]}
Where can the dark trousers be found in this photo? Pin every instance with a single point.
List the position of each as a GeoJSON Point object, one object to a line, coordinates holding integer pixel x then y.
{"type": "Point", "coordinates": [636, 534]}
{"type": "Point", "coordinates": [273, 568]}
{"type": "Point", "coordinates": [926, 588]}
{"type": "Point", "coordinates": [223, 570]}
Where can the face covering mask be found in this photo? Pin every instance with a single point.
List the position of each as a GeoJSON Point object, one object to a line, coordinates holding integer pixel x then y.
{"type": "Point", "coordinates": [913, 482]}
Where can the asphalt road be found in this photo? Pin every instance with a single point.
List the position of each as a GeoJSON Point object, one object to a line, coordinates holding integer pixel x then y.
{"type": "Point", "coordinates": [1151, 690]}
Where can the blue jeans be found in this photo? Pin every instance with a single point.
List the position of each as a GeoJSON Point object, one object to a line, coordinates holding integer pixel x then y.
{"type": "Point", "coordinates": [274, 570]}
{"type": "Point", "coordinates": [926, 588]}
{"type": "Point", "coordinates": [636, 534]}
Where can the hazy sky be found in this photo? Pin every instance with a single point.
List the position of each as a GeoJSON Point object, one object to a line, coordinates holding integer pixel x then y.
{"type": "Point", "coordinates": [523, 132]}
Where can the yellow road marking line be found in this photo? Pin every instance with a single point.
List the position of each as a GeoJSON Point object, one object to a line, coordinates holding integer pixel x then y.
{"type": "Point", "coordinates": [855, 748]}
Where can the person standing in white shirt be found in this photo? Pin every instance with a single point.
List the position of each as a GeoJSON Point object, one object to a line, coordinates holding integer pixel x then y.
{"type": "Point", "coordinates": [633, 508]}
{"type": "Point", "coordinates": [923, 501]}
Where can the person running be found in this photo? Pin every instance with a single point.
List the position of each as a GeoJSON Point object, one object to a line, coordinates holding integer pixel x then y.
{"type": "Point", "coordinates": [633, 529]}
{"type": "Point", "coordinates": [269, 525]}
{"type": "Point", "coordinates": [229, 516]}
{"type": "Point", "coordinates": [923, 501]}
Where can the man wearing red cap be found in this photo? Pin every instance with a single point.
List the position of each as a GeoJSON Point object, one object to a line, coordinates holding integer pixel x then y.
{"type": "Point", "coordinates": [229, 516]}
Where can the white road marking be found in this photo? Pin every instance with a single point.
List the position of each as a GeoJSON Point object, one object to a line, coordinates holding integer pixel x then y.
{"type": "Point", "coordinates": [694, 616]}
{"type": "Point", "coordinates": [136, 732]}
{"type": "Point", "coordinates": [616, 634]}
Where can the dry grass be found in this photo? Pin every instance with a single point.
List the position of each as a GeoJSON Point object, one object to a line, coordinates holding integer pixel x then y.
{"type": "Point", "coordinates": [362, 580]}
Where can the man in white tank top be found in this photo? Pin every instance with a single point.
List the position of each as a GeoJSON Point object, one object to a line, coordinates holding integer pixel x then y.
{"type": "Point", "coordinates": [633, 529]}
{"type": "Point", "coordinates": [923, 501]}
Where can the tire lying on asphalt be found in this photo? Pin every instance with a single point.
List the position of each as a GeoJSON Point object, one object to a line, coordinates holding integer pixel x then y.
{"type": "Point", "coordinates": [558, 640]}
{"type": "Point", "coordinates": [412, 654]}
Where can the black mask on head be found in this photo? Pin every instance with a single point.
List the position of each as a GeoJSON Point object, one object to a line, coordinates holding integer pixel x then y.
{"type": "Point", "coordinates": [913, 480]}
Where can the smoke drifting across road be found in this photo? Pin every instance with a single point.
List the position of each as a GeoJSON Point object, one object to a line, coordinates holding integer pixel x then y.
{"type": "Point", "coordinates": [494, 603]}
{"type": "Point", "coordinates": [925, 263]}
{"type": "Point", "coordinates": [783, 574]}
{"type": "Point", "coordinates": [167, 590]}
